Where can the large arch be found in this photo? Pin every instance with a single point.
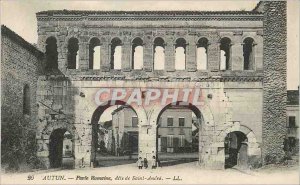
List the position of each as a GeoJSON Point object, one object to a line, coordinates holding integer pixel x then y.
{"type": "Point", "coordinates": [96, 117]}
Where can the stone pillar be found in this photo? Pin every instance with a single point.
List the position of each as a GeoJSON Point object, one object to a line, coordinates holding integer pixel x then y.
{"type": "Point", "coordinates": [83, 53]}
{"type": "Point", "coordinates": [148, 56]}
{"type": "Point", "coordinates": [104, 57]}
{"type": "Point", "coordinates": [126, 56]}
{"type": "Point", "coordinates": [274, 81]}
{"type": "Point", "coordinates": [237, 59]}
{"type": "Point", "coordinates": [213, 53]}
{"type": "Point", "coordinates": [191, 63]}
{"type": "Point", "coordinates": [170, 56]}
{"type": "Point", "coordinates": [258, 52]}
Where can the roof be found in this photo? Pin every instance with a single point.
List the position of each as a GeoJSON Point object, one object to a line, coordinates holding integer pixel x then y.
{"type": "Point", "coordinates": [293, 97]}
{"type": "Point", "coordinates": [76, 15]}
{"type": "Point", "coordinates": [161, 13]}
{"type": "Point", "coordinates": [17, 38]}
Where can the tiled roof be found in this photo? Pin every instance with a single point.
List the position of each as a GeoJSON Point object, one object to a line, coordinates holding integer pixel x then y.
{"type": "Point", "coordinates": [293, 97]}
{"type": "Point", "coordinates": [17, 38]}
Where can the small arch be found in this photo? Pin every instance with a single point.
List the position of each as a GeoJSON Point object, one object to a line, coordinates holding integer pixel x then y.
{"type": "Point", "coordinates": [248, 53]}
{"type": "Point", "coordinates": [51, 53]}
{"type": "Point", "coordinates": [202, 45]}
{"type": "Point", "coordinates": [26, 100]}
{"type": "Point", "coordinates": [73, 57]}
{"type": "Point", "coordinates": [116, 53]}
{"type": "Point", "coordinates": [225, 54]}
{"type": "Point", "coordinates": [159, 54]}
{"type": "Point", "coordinates": [94, 53]}
{"type": "Point", "coordinates": [180, 54]}
{"type": "Point", "coordinates": [137, 53]}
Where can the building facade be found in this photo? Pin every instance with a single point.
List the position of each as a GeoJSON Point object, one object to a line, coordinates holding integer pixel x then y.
{"type": "Point", "coordinates": [236, 59]}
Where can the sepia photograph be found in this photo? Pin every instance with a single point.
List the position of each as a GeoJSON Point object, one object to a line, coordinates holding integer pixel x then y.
{"type": "Point", "coordinates": [149, 92]}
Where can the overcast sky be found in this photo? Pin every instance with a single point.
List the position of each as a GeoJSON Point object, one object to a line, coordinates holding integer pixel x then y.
{"type": "Point", "coordinates": [19, 15]}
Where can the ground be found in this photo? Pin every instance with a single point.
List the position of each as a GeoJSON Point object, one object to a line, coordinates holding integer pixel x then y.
{"type": "Point", "coordinates": [186, 173]}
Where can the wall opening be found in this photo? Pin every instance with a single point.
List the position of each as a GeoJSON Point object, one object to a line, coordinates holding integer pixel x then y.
{"type": "Point", "coordinates": [180, 54]}
{"type": "Point", "coordinates": [159, 54]}
{"type": "Point", "coordinates": [202, 54]}
{"type": "Point", "coordinates": [177, 138]}
{"type": "Point", "coordinates": [115, 134]}
{"type": "Point", "coordinates": [61, 149]}
{"type": "Point", "coordinates": [225, 54]}
{"type": "Point", "coordinates": [116, 53]}
{"type": "Point", "coordinates": [94, 53]}
{"type": "Point", "coordinates": [137, 54]}
{"type": "Point", "coordinates": [248, 51]}
{"type": "Point", "coordinates": [51, 54]}
{"type": "Point", "coordinates": [26, 100]}
{"type": "Point", "coordinates": [236, 150]}
{"type": "Point", "coordinates": [73, 57]}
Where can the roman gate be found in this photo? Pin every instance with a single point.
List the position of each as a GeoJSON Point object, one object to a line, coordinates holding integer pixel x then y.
{"type": "Point", "coordinates": [219, 56]}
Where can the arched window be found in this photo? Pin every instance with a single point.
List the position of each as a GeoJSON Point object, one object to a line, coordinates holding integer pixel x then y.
{"type": "Point", "coordinates": [26, 100]}
{"type": "Point", "coordinates": [116, 53]}
{"type": "Point", "coordinates": [180, 51]}
{"type": "Point", "coordinates": [202, 54]}
{"type": "Point", "coordinates": [73, 58]}
{"type": "Point", "coordinates": [225, 53]}
{"type": "Point", "coordinates": [137, 53]}
{"type": "Point", "coordinates": [94, 53]}
{"type": "Point", "coordinates": [248, 50]}
{"type": "Point", "coordinates": [51, 54]}
{"type": "Point", "coordinates": [159, 54]}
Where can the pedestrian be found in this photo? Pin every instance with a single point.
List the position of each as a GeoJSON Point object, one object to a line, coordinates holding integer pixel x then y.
{"type": "Point", "coordinates": [145, 163]}
{"type": "Point", "coordinates": [153, 162]}
{"type": "Point", "coordinates": [140, 163]}
{"type": "Point", "coordinates": [158, 163]}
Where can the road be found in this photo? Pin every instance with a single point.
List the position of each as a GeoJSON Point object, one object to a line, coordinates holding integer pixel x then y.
{"type": "Point", "coordinates": [188, 173]}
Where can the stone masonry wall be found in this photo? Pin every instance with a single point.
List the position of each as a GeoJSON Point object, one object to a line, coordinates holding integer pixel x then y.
{"type": "Point", "coordinates": [20, 66]}
{"type": "Point", "coordinates": [274, 97]}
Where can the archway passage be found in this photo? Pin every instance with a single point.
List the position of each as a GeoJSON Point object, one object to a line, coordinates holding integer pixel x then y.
{"type": "Point", "coordinates": [178, 134]}
{"type": "Point", "coordinates": [236, 150]}
{"type": "Point", "coordinates": [61, 149]}
{"type": "Point", "coordinates": [115, 134]}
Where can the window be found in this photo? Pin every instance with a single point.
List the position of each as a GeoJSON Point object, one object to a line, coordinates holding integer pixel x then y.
{"type": "Point", "coordinates": [94, 53]}
{"type": "Point", "coordinates": [134, 121]}
{"type": "Point", "coordinates": [51, 54]}
{"type": "Point", "coordinates": [170, 122]}
{"type": "Point", "coordinates": [248, 50]}
{"type": "Point", "coordinates": [181, 122]}
{"type": "Point", "coordinates": [170, 141]}
{"type": "Point", "coordinates": [73, 58]}
{"type": "Point", "coordinates": [202, 54]}
{"type": "Point", "coordinates": [180, 52]}
{"type": "Point", "coordinates": [26, 100]}
{"type": "Point", "coordinates": [159, 54]}
{"type": "Point", "coordinates": [181, 140]}
{"type": "Point", "coordinates": [137, 53]}
{"type": "Point", "coordinates": [116, 53]}
{"type": "Point", "coordinates": [225, 52]}
{"type": "Point", "coordinates": [292, 122]}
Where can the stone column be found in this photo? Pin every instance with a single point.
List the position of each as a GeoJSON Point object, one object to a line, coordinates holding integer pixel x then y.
{"type": "Point", "coordinates": [191, 63]}
{"type": "Point", "coordinates": [83, 53]}
{"type": "Point", "coordinates": [237, 59]}
{"type": "Point", "coordinates": [126, 56]}
{"type": "Point", "coordinates": [170, 56]}
{"type": "Point", "coordinates": [104, 57]}
{"type": "Point", "coordinates": [148, 56]}
{"type": "Point", "coordinates": [258, 53]}
{"type": "Point", "coordinates": [213, 53]}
